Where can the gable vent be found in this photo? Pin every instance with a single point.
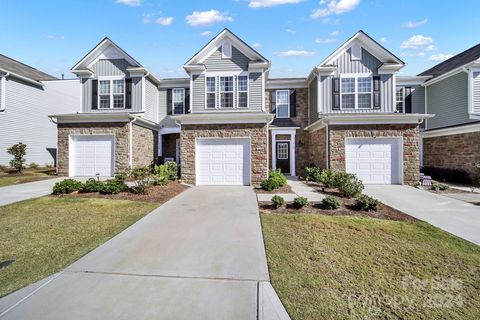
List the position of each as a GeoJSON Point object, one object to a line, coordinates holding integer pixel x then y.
{"type": "Point", "coordinates": [226, 50]}
{"type": "Point", "coordinates": [356, 51]}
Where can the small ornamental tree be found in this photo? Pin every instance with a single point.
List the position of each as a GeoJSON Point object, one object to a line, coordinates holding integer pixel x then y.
{"type": "Point", "coordinates": [18, 151]}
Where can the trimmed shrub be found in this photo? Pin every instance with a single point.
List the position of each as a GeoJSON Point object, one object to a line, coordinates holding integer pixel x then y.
{"type": "Point", "coordinates": [121, 176]}
{"type": "Point", "coordinates": [448, 174]}
{"type": "Point", "coordinates": [312, 173]}
{"type": "Point", "coordinates": [92, 185]}
{"type": "Point", "coordinates": [18, 151]}
{"type": "Point", "coordinates": [113, 186]}
{"type": "Point", "coordinates": [141, 178]}
{"type": "Point", "coordinates": [300, 202]}
{"type": "Point", "coordinates": [66, 186]}
{"type": "Point", "coordinates": [160, 179]}
{"type": "Point", "coordinates": [278, 201]}
{"type": "Point", "coordinates": [276, 179]}
{"type": "Point", "coordinates": [348, 184]}
{"type": "Point", "coordinates": [366, 203]}
{"type": "Point", "coordinates": [33, 165]}
{"type": "Point", "coordinates": [477, 170]}
{"type": "Point", "coordinates": [172, 170]}
{"type": "Point", "coordinates": [323, 176]}
{"type": "Point", "coordinates": [331, 202]}
{"type": "Point", "coordinates": [437, 186]}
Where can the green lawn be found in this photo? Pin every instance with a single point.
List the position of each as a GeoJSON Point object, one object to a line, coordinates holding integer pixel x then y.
{"type": "Point", "coordinates": [29, 175]}
{"type": "Point", "coordinates": [363, 268]}
{"type": "Point", "coordinates": [45, 235]}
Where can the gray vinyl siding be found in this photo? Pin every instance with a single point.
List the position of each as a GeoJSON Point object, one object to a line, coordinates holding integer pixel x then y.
{"type": "Point", "coordinates": [368, 64]}
{"type": "Point", "coordinates": [418, 99]}
{"type": "Point", "coordinates": [476, 92]}
{"type": "Point", "coordinates": [254, 91]}
{"type": "Point", "coordinates": [215, 62]}
{"type": "Point", "coordinates": [105, 68]}
{"type": "Point", "coordinates": [165, 120]}
{"type": "Point", "coordinates": [151, 101]}
{"type": "Point", "coordinates": [448, 100]}
{"type": "Point", "coordinates": [313, 100]}
{"type": "Point", "coordinates": [25, 118]}
{"type": "Point", "coordinates": [198, 93]}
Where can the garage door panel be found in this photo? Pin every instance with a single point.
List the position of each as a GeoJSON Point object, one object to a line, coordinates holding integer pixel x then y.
{"type": "Point", "coordinates": [92, 155]}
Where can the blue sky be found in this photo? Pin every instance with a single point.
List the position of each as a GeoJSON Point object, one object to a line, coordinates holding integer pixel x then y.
{"type": "Point", "coordinates": [294, 34]}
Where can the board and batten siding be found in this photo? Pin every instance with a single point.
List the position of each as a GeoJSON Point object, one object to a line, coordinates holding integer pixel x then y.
{"type": "Point", "coordinates": [151, 101]}
{"type": "Point", "coordinates": [25, 118]}
{"type": "Point", "coordinates": [113, 67]}
{"type": "Point", "coordinates": [313, 99]}
{"type": "Point", "coordinates": [448, 100]}
{"type": "Point", "coordinates": [368, 64]}
{"type": "Point", "coordinates": [476, 92]}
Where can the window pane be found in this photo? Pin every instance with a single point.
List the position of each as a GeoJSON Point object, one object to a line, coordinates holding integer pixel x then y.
{"type": "Point", "coordinates": [178, 95]}
{"type": "Point", "coordinates": [104, 102]}
{"type": "Point", "coordinates": [365, 84]}
{"type": "Point", "coordinates": [118, 101]}
{"type": "Point", "coordinates": [348, 101]}
{"type": "Point", "coordinates": [211, 100]}
{"type": "Point", "coordinates": [104, 86]}
{"type": "Point", "coordinates": [118, 86]}
{"type": "Point", "coordinates": [364, 100]}
{"type": "Point", "coordinates": [282, 97]}
{"type": "Point", "coordinates": [178, 108]}
{"type": "Point", "coordinates": [399, 99]}
{"type": "Point", "coordinates": [348, 85]}
{"type": "Point", "coordinates": [242, 83]}
{"type": "Point", "coordinates": [282, 110]}
{"type": "Point", "coordinates": [210, 84]}
{"type": "Point", "coordinates": [226, 100]}
{"type": "Point", "coordinates": [243, 99]}
{"type": "Point", "coordinates": [226, 84]}
{"type": "Point", "coordinates": [282, 151]}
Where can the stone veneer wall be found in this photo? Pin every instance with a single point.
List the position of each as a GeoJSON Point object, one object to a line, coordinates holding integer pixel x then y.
{"type": "Point", "coordinates": [409, 132]}
{"type": "Point", "coordinates": [317, 148]}
{"type": "Point", "coordinates": [120, 130]}
{"type": "Point", "coordinates": [257, 133]}
{"type": "Point", "coordinates": [453, 151]}
{"type": "Point", "coordinates": [144, 146]}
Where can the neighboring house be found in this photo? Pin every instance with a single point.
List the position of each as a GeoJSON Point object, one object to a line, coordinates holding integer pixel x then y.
{"type": "Point", "coordinates": [452, 93]}
{"type": "Point", "coordinates": [229, 124]}
{"type": "Point", "coordinates": [27, 97]}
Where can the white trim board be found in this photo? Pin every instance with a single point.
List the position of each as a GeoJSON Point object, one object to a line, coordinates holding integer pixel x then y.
{"type": "Point", "coordinates": [469, 128]}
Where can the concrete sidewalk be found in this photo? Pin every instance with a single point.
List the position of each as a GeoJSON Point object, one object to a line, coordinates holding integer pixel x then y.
{"type": "Point", "coordinates": [25, 191]}
{"type": "Point", "coordinates": [199, 256]}
{"type": "Point", "coordinates": [457, 217]}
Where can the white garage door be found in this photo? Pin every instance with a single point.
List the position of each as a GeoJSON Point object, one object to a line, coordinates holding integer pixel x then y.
{"type": "Point", "coordinates": [91, 155]}
{"type": "Point", "coordinates": [374, 161]}
{"type": "Point", "coordinates": [223, 162]}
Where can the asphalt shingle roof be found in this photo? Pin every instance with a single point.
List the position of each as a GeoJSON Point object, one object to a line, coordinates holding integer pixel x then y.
{"type": "Point", "coordinates": [22, 69]}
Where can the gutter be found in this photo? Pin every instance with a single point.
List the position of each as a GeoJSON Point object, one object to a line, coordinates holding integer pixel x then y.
{"type": "Point", "coordinates": [8, 73]}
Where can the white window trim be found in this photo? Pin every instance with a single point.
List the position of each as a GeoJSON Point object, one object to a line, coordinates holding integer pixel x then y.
{"type": "Point", "coordinates": [111, 78]}
{"type": "Point", "coordinates": [276, 104]}
{"type": "Point", "coordinates": [356, 93]}
{"type": "Point", "coordinates": [226, 47]}
{"type": "Point", "coordinates": [403, 98]}
{"type": "Point", "coordinates": [173, 100]}
{"type": "Point", "coordinates": [207, 92]}
{"type": "Point", "coordinates": [248, 90]}
{"type": "Point", "coordinates": [471, 100]}
{"type": "Point", "coordinates": [220, 91]}
{"type": "Point", "coordinates": [3, 84]}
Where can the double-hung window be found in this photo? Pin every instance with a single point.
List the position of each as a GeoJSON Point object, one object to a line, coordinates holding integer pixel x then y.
{"type": "Point", "coordinates": [211, 92]}
{"type": "Point", "coordinates": [178, 100]}
{"type": "Point", "coordinates": [242, 89]}
{"type": "Point", "coordinates": [399, 99]}
{"type": "Point", "coordinates": [111, 94]}
{"type": "Point", "coordinates": [226, 92]}
{"type": "Point", "coordinates": [283, 103]}
{"type": "Point", "coordinates": [356, 92]}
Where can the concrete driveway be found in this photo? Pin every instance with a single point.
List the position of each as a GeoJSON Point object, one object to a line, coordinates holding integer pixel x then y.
{"type": "Point", "coordinates": [25, 191]}
{"type": "Point", "coordinates": [457, 217]}
{"type": "Point", "coordinates": [198, 256]}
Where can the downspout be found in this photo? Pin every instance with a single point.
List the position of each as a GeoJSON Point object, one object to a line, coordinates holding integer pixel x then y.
{"type": "Point", "coordinates": [269, 149]}
{"type": "Point", "coordinates": [56, 142]}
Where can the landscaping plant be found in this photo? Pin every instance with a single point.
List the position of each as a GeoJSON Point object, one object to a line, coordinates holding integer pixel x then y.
{"type": "Point", "coordinates": [437, 186]}
{"type": "Point", "coordinates": [331, 202]}
{"type": "Point", "coordinates": [141, 178]}
{"type": "Point", "coordinates": [92, 185]}
{"type": "Point", "coordinates": [278, 201]}
{"type": "Point", "coordinates": [276, 179]}
{"type": "Point", "coordinates": [18, 151]}
{"type": "Point", "coordinates": [67, 186]}
{"type": "Point", "coordinates": [323, 176]}
{"type": "Point", "coordinates": [300, 202]}
{"type": "Point", "coordinates": [312, 173]}
{"type": "Point", "coordinates": [348, 184]}
{"type": "Point", "coordinates": [366, 203]}
{"type": "Point", "coordinates": [172, 170]}
{"type": "Point", "coordinates": [33, 165]}
{"type": "Point", "coordinates": [112, 186]}
{"type": "Point", "coordinates": [477, 170]}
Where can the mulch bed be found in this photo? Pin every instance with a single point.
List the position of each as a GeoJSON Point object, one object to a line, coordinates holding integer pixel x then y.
{"type": "Point", "coordinates": [155, 194]}
{"type": "Point", "coordinates": [285, 189]}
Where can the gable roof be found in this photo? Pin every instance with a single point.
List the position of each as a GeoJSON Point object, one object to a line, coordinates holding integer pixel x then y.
{"type": "Point", "coordinates": [454, 62]}
{"type": "Point", "coordinates": [105, 45]}
{"type": "Point", "coordinates": [238, 43]}
{"type": "Point", "coordinates": [372, 46]}
{"type": "Point", "coordinates": [20, 69]}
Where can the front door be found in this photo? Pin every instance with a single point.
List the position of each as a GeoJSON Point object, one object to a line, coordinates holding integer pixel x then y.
{"type": "Point", "coordinates": [283, 157]}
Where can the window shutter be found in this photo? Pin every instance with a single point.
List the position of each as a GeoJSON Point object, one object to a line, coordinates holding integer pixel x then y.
{"type": "Point", "coordinates": [94, 94]}
{"type": "Point", "coordinates": [169, 101]}
{"type": "Point", "coordinates": [187, 100]}
{"type": "Point", "coordinates": [128, 93]}
{"type": "Point", "coordinates": [273, 101]}
{"type": "Point", "coordinates": [336, 94]}
{"type": "Point", "coordinates": [293, 103]}
{"type": "Point", "coordinates": [408, 100]}
{"type": "Point", "coordinates": [376, 93]}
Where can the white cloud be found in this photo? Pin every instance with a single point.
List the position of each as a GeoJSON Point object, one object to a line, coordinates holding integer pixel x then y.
{"type": "Point", "coordinates": [147, 18]}
{"type": "Point", "coordinates": [131, 3]}
{"type": "Point", "coordinates": [418, 42]}
{"type": "Point", "coordinates": [413, 54]}
{"type": "Point", "coordinates": [335, 33]}
{"type": "Point", "coordinates": [325, 40]}
{"type": "Point", "coordinates": [383, 40]}
{"type": "Point", "coordinates": [54, 37]}
{"type": "Point", "coordinates": [440, 57]}
{"type": "Point", "coordinates": [415, 24]}
{"type": "Point", "coordinates": [206, 33]}
{"type": "Point", "coordinates": [334, 7]}
{"type": "Point", "coordinates": [256, 45]}
{"type": "Point", "coordinates": [207, 18]}
{"type": "Point", "coordinates": [295, 53]}
{"type": "Point", "coordinates": [291, 31]}
{"type": "Point", "coordinates": [165, 21]}
{"type": "Point", "coordinates": [270, 3]}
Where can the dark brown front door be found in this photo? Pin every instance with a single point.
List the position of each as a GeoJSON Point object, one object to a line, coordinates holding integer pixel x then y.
{"type": "Point", "coordinates": [283, 156]}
